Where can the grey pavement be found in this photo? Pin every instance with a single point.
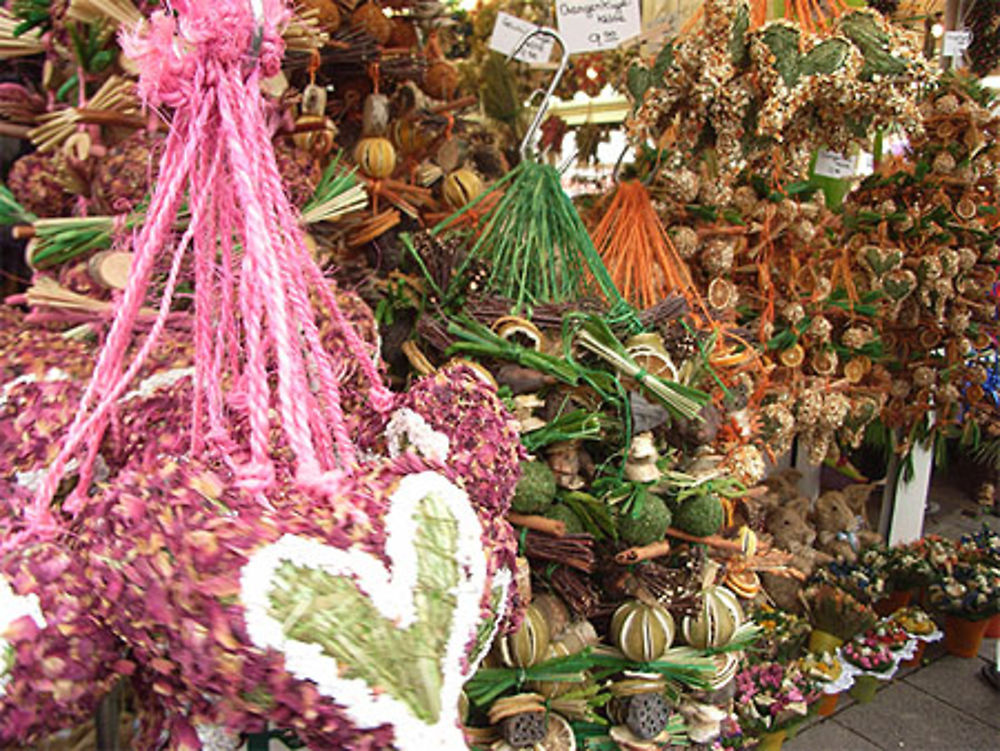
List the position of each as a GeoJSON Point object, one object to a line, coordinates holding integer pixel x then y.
{"type": "Point", "coordinates": [944, 706]}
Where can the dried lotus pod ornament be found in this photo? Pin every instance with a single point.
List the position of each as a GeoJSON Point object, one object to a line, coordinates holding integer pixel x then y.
{"type": "Point", "coordinates": [639, 703]}
{"type": "Point", "coordinates": [521, 719]}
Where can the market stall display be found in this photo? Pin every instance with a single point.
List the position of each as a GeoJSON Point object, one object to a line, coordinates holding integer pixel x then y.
{"type": "Point", "coordinates": [329, 417]}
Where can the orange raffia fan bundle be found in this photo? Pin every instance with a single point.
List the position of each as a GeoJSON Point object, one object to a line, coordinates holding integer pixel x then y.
{"type": "Point", "coordinates": [638, 253]}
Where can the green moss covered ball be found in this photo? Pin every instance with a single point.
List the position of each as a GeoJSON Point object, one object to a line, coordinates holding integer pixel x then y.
{"type": "Point", "coordinates": [648, 525]}
{"type": "Point", "coordinates": [535, 490]}
{"type": "Point", "coordinates": [563, 513]}
{"type": "Point", "coordinates": [700, 516]}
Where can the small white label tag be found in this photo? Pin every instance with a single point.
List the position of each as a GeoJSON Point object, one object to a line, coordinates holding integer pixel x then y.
{"type": "Point", "coordinates": [832, 164]}
{"type": "Point", "coordinates": [956, 43]}
{"type": "Point", "coordinates": [597, 25]}
{"type": "Point", "coordinates": [509, 30]}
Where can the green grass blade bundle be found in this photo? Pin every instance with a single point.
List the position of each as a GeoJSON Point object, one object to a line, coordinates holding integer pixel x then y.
{"type": "Point", "coordinates": [338, 193]}
{"type": "Point", "coordinates": [536, 246]}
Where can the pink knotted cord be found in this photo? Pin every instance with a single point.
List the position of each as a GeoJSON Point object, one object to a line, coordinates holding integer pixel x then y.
{"type": "Point", "coordinates": [252, 270]}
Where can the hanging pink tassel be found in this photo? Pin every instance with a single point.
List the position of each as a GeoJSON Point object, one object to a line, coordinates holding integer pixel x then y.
{"type": "Point", "coordinates": [257, 346]}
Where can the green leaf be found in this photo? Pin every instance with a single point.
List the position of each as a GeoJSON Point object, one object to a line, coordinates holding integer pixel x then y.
{"type": "Point", "coordinates": [638, 82]}
{"type": "Point", "coordinates": [739, 47]}
{"type": "Point", "coordinates": [664, 59]}
{"type": "Point", "coordinates": [783, 42]}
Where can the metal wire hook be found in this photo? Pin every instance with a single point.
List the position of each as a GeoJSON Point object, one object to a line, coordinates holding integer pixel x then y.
{"type": "Point", "coordinates": [544, 106]}
{"type": "Point", "coordinates": [257, 8]}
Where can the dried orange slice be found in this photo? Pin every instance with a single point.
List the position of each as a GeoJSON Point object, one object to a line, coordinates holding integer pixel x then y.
{"type": "Point", "coordinates": [792, 357]}
{"type": "Point", "coordinates": [857, 368]}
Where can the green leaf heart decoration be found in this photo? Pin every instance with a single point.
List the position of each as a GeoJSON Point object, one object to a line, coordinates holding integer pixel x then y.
{"type": "Point", "coordinates": [785, 41]}
{"type": "Point", "coordinates": [899, 284]}
{"type": "Point", "coordinates": [881, 260]}
{"type": "Point", "coordinates": [388, 644]}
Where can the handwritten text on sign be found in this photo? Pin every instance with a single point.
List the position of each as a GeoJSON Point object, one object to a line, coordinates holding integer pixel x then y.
{"type": "Point", "coordinates": [509, 30]}
{"type": "Point", "coordinates": [595, 25]}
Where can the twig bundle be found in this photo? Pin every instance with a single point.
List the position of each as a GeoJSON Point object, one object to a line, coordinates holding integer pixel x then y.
{"type": "Point", "coordinates": [303, 33]}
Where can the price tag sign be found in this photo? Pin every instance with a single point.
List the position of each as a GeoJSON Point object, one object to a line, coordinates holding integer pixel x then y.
{"type": "Point", "coordinates": [597, 25]}
{"type": "Point", "coordinates": [956, 43]}
{"type": "Point", "coordinates": [832, 164]}
{"type": "Point", "coordinates": [509, 30]}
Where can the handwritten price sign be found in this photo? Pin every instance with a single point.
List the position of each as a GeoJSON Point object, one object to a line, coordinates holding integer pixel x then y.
{"type": "Point", "coordinates": [509, 30]}
{"type": "Point", "coordinates": [597, 25]}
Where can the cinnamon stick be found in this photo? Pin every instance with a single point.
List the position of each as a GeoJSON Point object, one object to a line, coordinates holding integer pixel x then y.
{"type": "Point", "coordinates": [643, 552]}
{"type": "Point", "coordinates": [552, 527]}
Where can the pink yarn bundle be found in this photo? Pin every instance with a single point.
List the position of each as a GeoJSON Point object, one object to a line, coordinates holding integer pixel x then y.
{"type": "Point", "coordinates": [253, 272]}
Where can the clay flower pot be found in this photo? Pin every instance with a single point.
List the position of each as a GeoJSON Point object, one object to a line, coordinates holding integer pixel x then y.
{"type": "Point", "coordinates": [823, 641]}
{"type": "Point", "coordinates": [993, 628]}
{"type": "Point", "coordinates": [772, 741]}
{"type": "Point", "coordinates": [918, 656]}
{"type": "Point", "coordinates": [827, 705]}
{"type": "Point", "coordinates": [893, 602]}
{"type": "Point", "coordinates": [962, 637]}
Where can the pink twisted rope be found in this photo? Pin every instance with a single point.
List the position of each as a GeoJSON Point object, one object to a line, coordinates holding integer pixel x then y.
{"type": "Point", "coordinates": [252, 270]}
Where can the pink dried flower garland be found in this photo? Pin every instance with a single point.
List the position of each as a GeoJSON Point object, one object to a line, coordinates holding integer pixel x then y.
{"type": "Point", "coordinates": [252, 305]}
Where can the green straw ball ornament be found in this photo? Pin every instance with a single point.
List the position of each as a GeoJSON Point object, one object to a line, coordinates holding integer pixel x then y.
{"type": "Point", "coordinates": [563, 513]}
{"type": "Point", "coordinates": [719, 618]}
{"type": "Point", "coordinates": [642, 631]}
{"type": "Point", "coordinates": [647, 522]}
{"type": "Point", "coordinates": [700, 516]}
{"type": "Point", "coordinates": [535, 490]}
{"type": "Point", "coordinates": [528, 645]}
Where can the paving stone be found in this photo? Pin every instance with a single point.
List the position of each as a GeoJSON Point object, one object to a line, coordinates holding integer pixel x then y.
{"type": "Point", "coordinates": [956, 682]}
{"type": "Point", "coordinates": [829, 735]}
{"type": "Point", "coordinates": [988, 650]}
{"type": "Point", "coordinates": [905, 717]}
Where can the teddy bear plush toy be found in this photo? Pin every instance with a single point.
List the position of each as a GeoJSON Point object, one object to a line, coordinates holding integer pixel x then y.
{"type": "Point", "coordinates": [790, 530]}
{"type": "Point", "coordinates": [841, 522]}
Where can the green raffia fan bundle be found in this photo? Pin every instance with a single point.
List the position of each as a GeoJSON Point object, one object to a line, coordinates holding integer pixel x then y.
{"type": "Point", "coordinates": [536, 246]}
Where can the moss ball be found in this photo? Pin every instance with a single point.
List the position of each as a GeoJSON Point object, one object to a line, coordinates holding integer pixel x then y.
{"type": "Point", "coordinates": [700, 516]}
{"type": "Point", "coordinates": [535, 490]}
{"type": "Point", "coordinates": [648, 525]}
{"type": "Point", "coordinates": [563, 513]}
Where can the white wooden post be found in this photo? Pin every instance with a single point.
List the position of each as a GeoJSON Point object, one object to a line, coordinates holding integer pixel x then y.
{"type": "Point", "coordinates": [904, 503]}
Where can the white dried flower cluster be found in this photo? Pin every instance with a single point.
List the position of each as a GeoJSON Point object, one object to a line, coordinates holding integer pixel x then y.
{"type": "Point", "coordinates": [12, 608]}
{"type": "Point", "coordinates": [408, 430]}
